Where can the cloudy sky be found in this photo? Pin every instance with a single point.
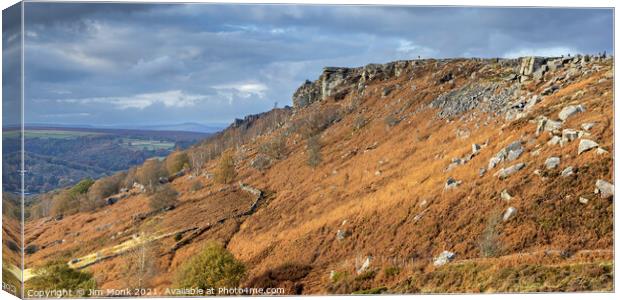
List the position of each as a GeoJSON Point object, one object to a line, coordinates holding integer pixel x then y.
{"type": "Point", "coordinates": [109, 64]}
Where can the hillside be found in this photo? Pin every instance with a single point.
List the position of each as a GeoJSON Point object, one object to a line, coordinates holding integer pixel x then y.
{"type": "Point", "coordinates": [422, 176]}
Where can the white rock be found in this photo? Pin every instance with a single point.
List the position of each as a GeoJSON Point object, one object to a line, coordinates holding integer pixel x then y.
{"type": "Point", "coordinates": [604, 188]}
{"type": "Point", "coordinates": [552, 162]}
{"type": "Point", "coordinates": [569, 134]}
{"type": "Point", "coordinates": [510, 212]}
{"type": "Point", "coordinates": [514, 154]}
{"type": "Point", "coordinates": [585, 145]}
{"type": "Point", "coordinates": [583, 200]}
{"type": "Point", "coordinates": [587, 126]}
{"type": "Point", "coordinates": [443, 258]}
{"type": "Point", "coordinates": [568, 171]}
{"type": "Point", "coordinates": [365, 265]}
{"type": "Point", "coordinates": [554, 140]}
{"type": "Point", "coordinates": [475, 149]}
{"type": "Point", "coordinates": [505, 172]}
{"type": "Point", "coordinates": [552, 126]}
{"type": "Point", "coordinates": [505, 195]}
{"type": "Point", "coordinates": [601, 151]}
{"type": "Point", "coordinates": [570, 110]}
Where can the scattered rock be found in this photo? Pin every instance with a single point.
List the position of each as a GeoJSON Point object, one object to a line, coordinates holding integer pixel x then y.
{"type": "Point", "coordinates": [583, 200]}
{"type": "Point", "coordinates": [505, 195]}
{"type": "Point", "coordinates": [482, 171]}
{"type": "Point", "coordinates": [341, 234]}
{"type": "Point", "coordinates": [570, 110]}
{"type": "Point", "coordinates": [552, 162]}
{"type": "Point", "coordinates": [532, 102]}
{"type": "Point", "coordinates": [365, 265]}
{"type": "Point", "coordinates": [552, 126]}
{"type": "Point", "coordinates": [601, 151]}
{"type": "Point", "coordinates": [506, 172]}
{"type": "Point", "coordinates": [510, 212]}
{"type": "Point", "coordinates": [554, 140]}
{"type": "Point", "coordinates": [452, 183]}
{"type": "Point", "coordinates": [604, 188]}
{"type": "Point", "coordinates": [587, 126]}
{"type": "Point", "coordinates": [475, 149]}
{"type": "Point", "coordinates": [568, 171]}
{"type": "Point", "coordinates": [569, 134]}
{"type": "Point", "coordinates": [585, 145]}
{"type": "Point", "coordinates": [514, 154]}
{"type": "Point", "coordinates": [535, 152]}
{"type": "Point", "coordinates": [443, 258]}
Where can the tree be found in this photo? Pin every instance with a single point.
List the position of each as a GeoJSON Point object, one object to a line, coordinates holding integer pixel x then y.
{"type": "Point", "coordinates": [197, 159]}
{"type": "Point", "coordinates": [314, 151]}
{"type": "Point", "coordinates": [101, 189]}
{"type": "Point", "coordinates": [213, 267]}
{"type": "Point", "coordinates": [164, 197]}
{"type": "Point", "coordinates": [140, 265]}
{"type": "Point", "coordinates": [226, 168]}
{"type": "Point", "coordinates": [176, 161]}
{"type": "Point", "coordinates": [56, 275]}
{"type": "Point", "coordinates": [148, 174]}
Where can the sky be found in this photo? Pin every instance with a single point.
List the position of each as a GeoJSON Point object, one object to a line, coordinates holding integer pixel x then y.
{"type": "Point", "coordinates": [114, 64]}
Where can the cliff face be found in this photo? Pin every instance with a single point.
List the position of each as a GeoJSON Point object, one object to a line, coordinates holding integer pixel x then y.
{"type": "Point", "coordinates": [454, 175]}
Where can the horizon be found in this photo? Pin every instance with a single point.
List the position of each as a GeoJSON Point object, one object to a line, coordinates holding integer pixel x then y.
{"type": "Point", "coordinates": [106, 64]}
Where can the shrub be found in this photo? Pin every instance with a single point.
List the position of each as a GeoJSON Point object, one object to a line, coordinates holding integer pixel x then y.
{"type": "Point", "coordinates": [391, 120]}
{"type": "Point", "coordinates": [176, 161]}
{"type": "Point", "coordinates": [82, 186]}
{"type": "Point", "coordinates": [101, 189]}
{"type": "Point", "coordinates": [274, 148]}
{"type": "Point", "coordinates": [65, 203]}
{"type": "Point", "coordinates": [261, 162]}
{"type": "Point", "coordinates": [213, 267]}
{"type": "Point", "coordinates": [391, 271]}
{"type": "Point", "coordinates": [359, 123]}
{"type": "Point", "coordinates": [57, 275]}
{"type": "Point", "coordinates": [164, 197]}
{"type": "Point", "coordinates": [314, 151]}
{"type": "Point", "coordinates": [197, 185]}
{"type": "Point", "coordinates": [225, 172]}
{"type": "Point", "coordinates": [318, 121]}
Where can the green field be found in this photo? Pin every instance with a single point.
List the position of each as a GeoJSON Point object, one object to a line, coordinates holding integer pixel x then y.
{"type": "Point", "coordinates": [138, 144]}
{"type": "Point", "coordinates": [50, 134]}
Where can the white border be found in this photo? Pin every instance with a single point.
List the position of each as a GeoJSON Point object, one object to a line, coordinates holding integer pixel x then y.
{"type": "Point", "coordinates": [508, 3]}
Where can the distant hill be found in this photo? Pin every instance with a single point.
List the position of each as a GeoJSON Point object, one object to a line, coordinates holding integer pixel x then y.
{"type": "Point", "coordinates": [61, 156]}
{"type": "Point", "coordinates": [188, 127]}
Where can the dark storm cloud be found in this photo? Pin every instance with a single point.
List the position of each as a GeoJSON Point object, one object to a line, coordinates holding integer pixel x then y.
{"type": "Point", "coordinates": [167, 63]}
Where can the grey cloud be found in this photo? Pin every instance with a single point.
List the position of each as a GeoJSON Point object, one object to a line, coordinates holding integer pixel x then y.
{"type": "Point", "coordinates": [241, 59]}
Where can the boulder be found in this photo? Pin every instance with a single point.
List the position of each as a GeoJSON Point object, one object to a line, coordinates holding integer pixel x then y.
{"type": "Point", "coordinates": [568, 171]}
{"type": "Point", "coordinates": [554, 140]}
{"type": "Point", "coordinates": [551, 125]}
{"type": "Point", "coordinates": [584, 200]}
{"type": "Point", "coordinates": [494, 161]}
{"type": "Point", "coordinates": [443, 258]}
{"type": "Point", "coordinates": [552, 162]}
{"type": "Point", "coordinates": [569, 134]}
{"type": "Point", "coordinates": [506, 172]}
{"type": "Point", "coordinates": [481, 172]}
{"type": "Point", "coordinates": [587, 126]}
{"type": "Point", "coordinates": [570, 110]}
{"type": "Point", "coordinates": [601, 151]}
{"type": "Point", "coordinates": [510, 212]}
{"type": "Point", "coordinates": [365, 265]}
{"type": "Point", "coordinates": [514, 154]}
{"type": "Point", "coordinates": [505, 195]}
{"type": "Point", "coordinates": [452, 183]}
{"type": "Point", "coordinates": [530, 103]}
{"type": "Point", "coordinates": [604, 188]}
{"type": "Point", "coordinates": [585, 145]}
{"type": "Point", "coordinates": [341, 234]}
{"type": "Point", "coordinates": [475, 149]}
